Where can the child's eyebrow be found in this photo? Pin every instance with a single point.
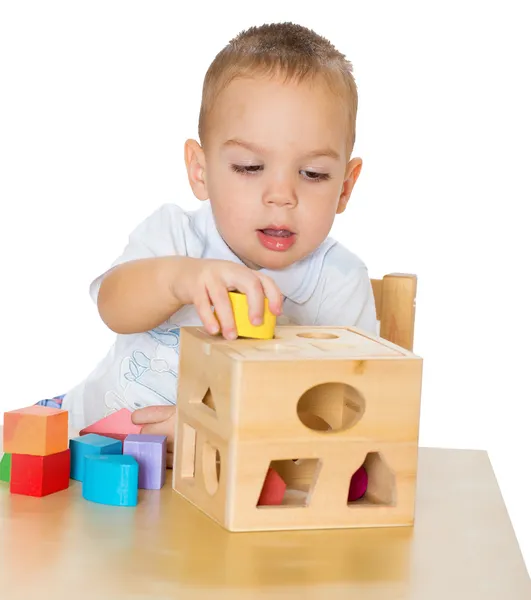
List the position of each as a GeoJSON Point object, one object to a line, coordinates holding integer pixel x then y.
{"type": "Point", "coordinates": [259, 150]}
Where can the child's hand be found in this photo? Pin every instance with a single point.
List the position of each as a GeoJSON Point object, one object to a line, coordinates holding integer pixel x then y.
{"type": "Point", "coordinates": [158, 420]}
{"type": "Point", "coordinates": [207, 283]}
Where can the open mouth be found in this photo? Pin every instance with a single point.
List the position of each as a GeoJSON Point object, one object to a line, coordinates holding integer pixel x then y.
{"type": "Point", "coordinates": [278, 239]}
{"type": "Point", "coordinates": [283, 233]}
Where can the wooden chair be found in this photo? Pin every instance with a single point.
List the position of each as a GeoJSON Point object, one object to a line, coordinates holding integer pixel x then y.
{"type": "Point", "coordinates": [395, 297]}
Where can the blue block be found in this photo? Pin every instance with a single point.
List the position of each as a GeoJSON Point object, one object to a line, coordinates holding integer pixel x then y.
{"type": "Point", "coordinates": [90, 444]}
{"type": "Point", "coordinates": [111, 479]}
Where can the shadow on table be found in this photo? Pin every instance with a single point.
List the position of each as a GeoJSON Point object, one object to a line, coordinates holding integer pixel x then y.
{"type": "Point", "coordinates": [166, 542]}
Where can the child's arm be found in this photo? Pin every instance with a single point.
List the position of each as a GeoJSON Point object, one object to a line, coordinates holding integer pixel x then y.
{"type": "Point", "coordinates": [137, 295]}
{"type": "Point", "coordinates": [141, 294]}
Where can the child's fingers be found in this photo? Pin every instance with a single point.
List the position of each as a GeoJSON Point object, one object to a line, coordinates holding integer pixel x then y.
{"type": "Point", "coordinates": [252, 287]}
{"type": "Point", "coordinates": [254, 291]}
{"type": "Point", "coordinates": [221, 302]}
{"type": "Point", "coordinates": [272, 293]}
{"type": "Point", "coordinates": [152, 414]}
{"type": "Point", "coordinates": [204, 310]}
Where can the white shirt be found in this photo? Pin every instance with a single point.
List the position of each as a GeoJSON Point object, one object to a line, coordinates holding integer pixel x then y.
{"type": "Point", "coordinates": [329, 287]}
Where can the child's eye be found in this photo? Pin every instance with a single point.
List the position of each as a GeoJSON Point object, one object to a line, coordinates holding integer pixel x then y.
{"type": "Point", "coordinates": [250, 169]}
{"type": "Point", "coordinates": [313, 176]}
{"type": "Point", "coordinates": [246, 170]}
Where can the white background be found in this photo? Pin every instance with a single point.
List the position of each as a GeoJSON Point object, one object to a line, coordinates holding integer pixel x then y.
{"type": "Point", "coordinates": [97, 99]}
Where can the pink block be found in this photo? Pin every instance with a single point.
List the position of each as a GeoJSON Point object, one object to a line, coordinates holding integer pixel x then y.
{"type": "Point", "coordinates": [358, 484]}
{"type": "Point", "coordinates": [117, 425]}
{"type": "Point", "coordinates": [273, 489]}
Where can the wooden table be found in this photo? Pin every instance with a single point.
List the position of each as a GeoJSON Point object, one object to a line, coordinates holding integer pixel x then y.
{"type": "Point", "coordinates": [461, 547]}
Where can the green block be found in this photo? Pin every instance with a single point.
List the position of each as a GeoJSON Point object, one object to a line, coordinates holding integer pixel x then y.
{"type": "Point", "coordinates": [5, 468]}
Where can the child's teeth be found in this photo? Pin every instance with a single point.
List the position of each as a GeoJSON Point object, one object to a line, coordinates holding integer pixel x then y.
{"type": "Point", "coordinates": [277, 232]}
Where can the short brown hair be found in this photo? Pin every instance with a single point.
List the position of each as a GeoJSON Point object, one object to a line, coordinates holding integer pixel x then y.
{"type": "Point", "coordinates": [281, 48]}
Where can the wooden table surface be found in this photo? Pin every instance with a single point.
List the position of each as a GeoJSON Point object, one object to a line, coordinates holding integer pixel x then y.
{"type": "Point", "coordinates": [461, 547]}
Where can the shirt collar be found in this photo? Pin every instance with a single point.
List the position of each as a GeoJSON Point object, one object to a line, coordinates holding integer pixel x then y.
{"type": "Point", "coordinates": [296, 282]}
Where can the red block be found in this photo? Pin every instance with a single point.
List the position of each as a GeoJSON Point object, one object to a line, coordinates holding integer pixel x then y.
{"type": "Point", "coordinates": [40, 475]}
{"type": "Point", "coordinates": [273, 489]}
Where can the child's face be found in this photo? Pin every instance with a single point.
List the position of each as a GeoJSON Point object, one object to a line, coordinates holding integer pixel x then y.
{"type": "Point", "coordinates": [275, 168]}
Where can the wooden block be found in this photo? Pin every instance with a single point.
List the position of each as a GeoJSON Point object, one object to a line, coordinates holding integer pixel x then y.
{"type": "Point", "coordinates": [5, 468]}
{"type": "Point", "coordinates": [92, 443]}
{"type": "Point", "coordinates": [315, 404]}
{"type": "Point", "coordinates": [117, 425]}
{"type": "Point", "coordinates": [111, 479]}
{"type": "Point", "coordinates": [40, 475]}
{"type": "Point", "coordinates": [397, 308]}
{"type": "Point", "coordinates": [36, 430]}
{"type": "Point", "coordinates": [274, 489]}
{"type": "Point", "coordinates": [150, 453]}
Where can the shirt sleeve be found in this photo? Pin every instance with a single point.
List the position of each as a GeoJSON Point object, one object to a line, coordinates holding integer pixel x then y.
{"type": "Point", "coordinates": [346, 295]}
{"type": "Point", "coordinates": [163, 233]}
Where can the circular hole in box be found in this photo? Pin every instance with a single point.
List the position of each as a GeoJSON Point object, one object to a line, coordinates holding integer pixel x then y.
{"type": "Point", "coordinates": [318, 335]}
{"type": "Point", "coordinates": [211, 468]}
{"type": "Point", "coordinates": [331, 407]}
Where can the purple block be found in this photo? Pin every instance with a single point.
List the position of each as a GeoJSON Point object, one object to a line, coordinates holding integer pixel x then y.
{"type": "Point", "coordinates": [150, 453]}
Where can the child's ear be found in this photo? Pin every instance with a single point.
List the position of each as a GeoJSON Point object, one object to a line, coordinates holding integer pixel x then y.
{"type": "Point", "coordinates": [194, 157]}
{"type": "Point", "coordinates": [352, 172]}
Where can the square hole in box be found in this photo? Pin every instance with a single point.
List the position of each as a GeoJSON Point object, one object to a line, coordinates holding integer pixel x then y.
{"type": "Point", "coordinates": [289, 482]}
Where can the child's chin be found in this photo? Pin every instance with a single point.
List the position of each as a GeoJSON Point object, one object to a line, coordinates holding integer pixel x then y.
{"type": "Point", "coordinates": [276, 260]}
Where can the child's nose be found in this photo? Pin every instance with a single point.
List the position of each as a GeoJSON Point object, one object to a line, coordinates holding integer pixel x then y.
{"type": "Point", "coordinates": [281, 196]}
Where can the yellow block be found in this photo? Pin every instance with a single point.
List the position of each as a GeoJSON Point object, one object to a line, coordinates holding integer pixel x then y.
{"type": "Point", "coordinates": [244, 327]}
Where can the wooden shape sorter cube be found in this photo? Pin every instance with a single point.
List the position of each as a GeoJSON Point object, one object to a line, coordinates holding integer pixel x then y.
{"type": "Point", "coordinates": [314, 404]}
{"type": "Point", "coordinates": [36, 430]}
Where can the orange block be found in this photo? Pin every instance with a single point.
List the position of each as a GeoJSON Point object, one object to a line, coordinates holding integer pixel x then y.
{"type": "Point", "coordinates": [36, 430]}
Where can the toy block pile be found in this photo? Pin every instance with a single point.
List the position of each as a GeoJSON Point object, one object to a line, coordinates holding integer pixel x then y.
{"type": "Point", "coordinates": [111, 458]}
{"type": "Point", "coordinates": [36, 450]}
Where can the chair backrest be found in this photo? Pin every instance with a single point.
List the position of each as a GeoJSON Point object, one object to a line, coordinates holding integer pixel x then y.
{"type": "Point", "coordinates": [395, 297]}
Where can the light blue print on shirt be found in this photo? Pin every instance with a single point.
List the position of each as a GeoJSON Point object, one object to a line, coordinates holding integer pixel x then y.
{"type": "Point", "coordinates": [167, 337]}
{"type": "Point", "coordinates": [149, 380]}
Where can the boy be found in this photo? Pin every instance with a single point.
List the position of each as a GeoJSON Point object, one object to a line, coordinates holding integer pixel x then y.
{"type": "Point", "coordinates": [272, 169]}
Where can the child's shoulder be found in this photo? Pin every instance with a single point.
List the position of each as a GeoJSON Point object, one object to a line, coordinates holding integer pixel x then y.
{"type": "Point", "coordinates": [341, 259]}
{"type": "Point", "coordinates": [172, 227]}
{"type": "Point", "coordinates": [338, 265]}
{"type": "Point", "coordinates": [344, 274]}
{"type": "Point", "coordinates": [170, 215]}
{"type": "Point", "coordinates": [344, 291]}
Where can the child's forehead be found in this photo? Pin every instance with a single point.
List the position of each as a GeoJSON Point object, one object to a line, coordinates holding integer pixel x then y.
{"type": "Point", "coordinates": [259, 108]}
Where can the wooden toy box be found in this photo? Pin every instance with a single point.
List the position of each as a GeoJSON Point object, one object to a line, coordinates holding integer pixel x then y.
{"type": "Point", "coordinates": [313, 403]}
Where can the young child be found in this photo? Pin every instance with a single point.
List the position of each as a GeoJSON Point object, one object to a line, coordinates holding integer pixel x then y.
{"type": "Point", "coordinates": [272, 169]}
